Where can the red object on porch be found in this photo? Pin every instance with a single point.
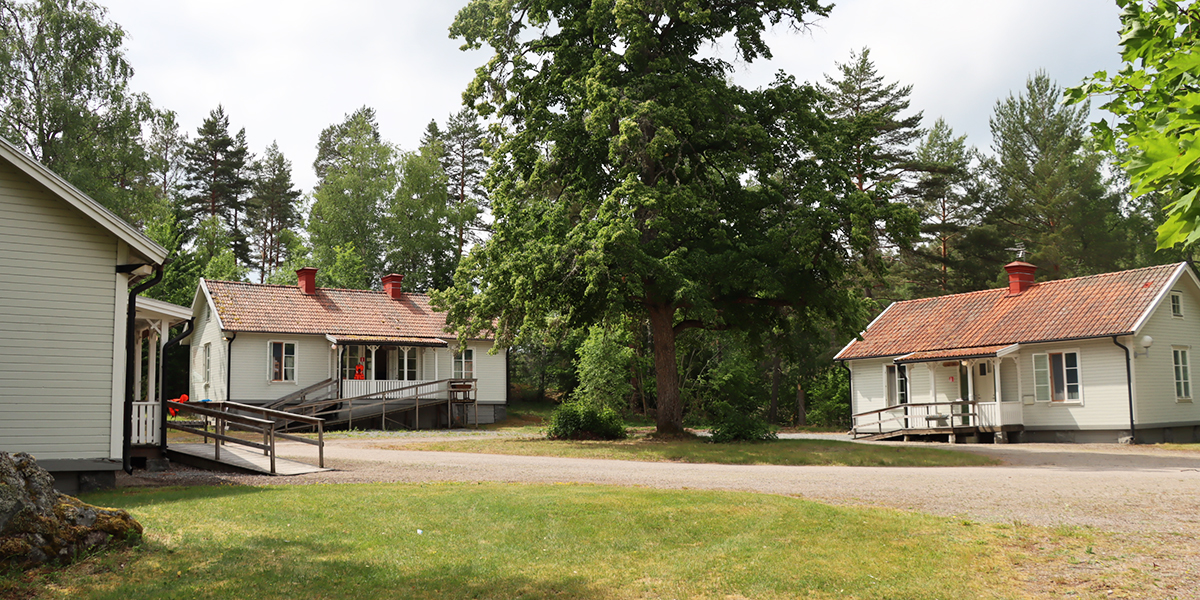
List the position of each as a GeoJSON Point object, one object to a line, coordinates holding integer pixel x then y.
{"type": "Point", "coordinates": [359, 372]}
{"type": "Point", "coordinates": [175, 411]}
{"type": "Point", "coordinates": [306, 278]}
{"type": "Point", "coordinates": [391, 286]}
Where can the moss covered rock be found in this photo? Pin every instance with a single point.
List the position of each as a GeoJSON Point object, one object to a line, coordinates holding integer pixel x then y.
{"type": "Point", "coordinates": [38, 524]}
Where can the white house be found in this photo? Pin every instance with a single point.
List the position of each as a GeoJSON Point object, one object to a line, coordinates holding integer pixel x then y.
{"type": "Point", "coordinates": [257, 343]}
{"type": "Point", "coordinates": [1090, 359]}
{"type": "Point", "coordinates": [69, 269]}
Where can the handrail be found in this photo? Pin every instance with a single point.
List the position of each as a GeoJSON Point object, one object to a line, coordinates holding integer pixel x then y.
{"type": "Point", "coordinates": [907, 416]}
{"type": "Point", "coordinates": [914, 404]}
{"type": "Point", "coordinates": [219, 411]}
{"type": "Point", "coordinates": [375, 395]}
{"type": "Point", "coordinates": [301, 393]}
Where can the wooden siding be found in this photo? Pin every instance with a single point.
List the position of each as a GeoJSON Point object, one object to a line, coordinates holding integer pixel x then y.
{"type": "Point", "coordinates": [58, 307]}
{"type": "Point", "coordinates": [1102, 375]}
{"type": "Point", "coordinates": [251, 365]}
{"type": "Point", "coordinates": [867, 382]}
{"type": "Point", "coordinates": [1010, 379]}
{"type": "Point", "coordinates": [1155, 400]}
{"type": "Point", "coordinates": [207, 331]}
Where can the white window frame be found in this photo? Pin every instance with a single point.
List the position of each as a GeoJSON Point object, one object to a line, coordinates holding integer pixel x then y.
{"type": "Point", "coordinates": [892, 377]}
{"type": "Point", "coordinates": [348, 368]}
{"type": "Point", "coordinates": [284, 367]}
{"type": "Point", "coordinates": [1177, 304]}
{"type": "Point", "coordinates": [461, 361]}
{"type": "Point", "coordinates": [402, 371]}
{"type": "Point", "coordinates": [1038, 387]}
{"type": "Point", "coordinates": [1183, 385]}
{"type": "Point", "coordinates": [207, 364]}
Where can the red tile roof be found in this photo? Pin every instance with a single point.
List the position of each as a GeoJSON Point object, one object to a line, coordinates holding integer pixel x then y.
{"type": "Point", "coordinates": [1084, 307]}
{"type": "Point", "coordinates": [952, 354]}
{"type": "Point", "coordinates": [345, 314]}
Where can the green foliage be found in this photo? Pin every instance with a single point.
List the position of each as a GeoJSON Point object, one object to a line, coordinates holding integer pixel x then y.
{"type": "Point", "coordinates": [418, 245]}
{"type": "Point", "coordinates": [65, 100]}
{"type": "Point", "coordinates": [578, 420]}
{"type": "Point", "coordinates": [273, 209]}
{"type": "Point", "coordinates": [358, 180]}
{"type": "Point", "coordinates": [732, 424]}
{"type": "Point", "coordinates": [218, 182]}
{"type": "Point", "coordinates": [182, 272]}
{"type": "Point", "coordinates": [827, 397]}
{"type": "Point", "coordinates": [635, 178]}
{"type": "Point", "coordinates": [345, 269]}
{"type": "Point", "coordinates": [1155, 98]}
{"type": "Point", "coordinates": [605, 362]}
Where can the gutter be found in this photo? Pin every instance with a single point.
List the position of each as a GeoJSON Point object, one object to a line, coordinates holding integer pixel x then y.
{"type": "Point", "coordinates": [1129, 384]}
{"type": "Point", "coordinates": [130, 322]}
{"type": "Point", "coordinates": [162, 425]}
{"type": "Point", "coordinates": [229, 367]}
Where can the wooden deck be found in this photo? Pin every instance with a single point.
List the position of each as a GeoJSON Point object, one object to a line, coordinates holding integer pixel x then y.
{"type": "Point", "coordinates": [240, 459]}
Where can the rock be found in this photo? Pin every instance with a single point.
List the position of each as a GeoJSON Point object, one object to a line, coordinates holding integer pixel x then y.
{"type": "Point", "coordinates": [39, 524]}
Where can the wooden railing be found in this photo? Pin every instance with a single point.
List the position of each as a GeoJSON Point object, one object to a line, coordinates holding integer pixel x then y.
{"type": "Point", "coordinates": [226, 415]}
{"type": "Point", "coordinates": [376, 403]}
{"type": "Point", "coordinates": [326, 388]}
{"type": "Point", "coordinates": [930, 415]}
{"type": "Point", "coordinates": [146, 417]}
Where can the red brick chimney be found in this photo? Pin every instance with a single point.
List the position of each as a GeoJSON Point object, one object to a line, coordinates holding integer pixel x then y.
{"type": "Point", "coordinates": [391, 286]}
{"type": "Point", "coordinates": [307, 279]}
{"type": "Point", "coordinates": [1020, 276]}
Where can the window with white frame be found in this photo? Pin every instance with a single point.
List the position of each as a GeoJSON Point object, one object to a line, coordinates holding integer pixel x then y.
{"type": "Point", "coordinates": [464, 364]}
{"type": "Point", "coordinates": [1056, 377]}
{"type": "Point", "coordinates": [352, 357]}
{"type": "Point", "coordinates": [207, 362]}
{"type": "Point", "coordinates": [283, 361]}
{"type": "Point", "coordinates": [1176, 304]}
{"type": "Point", "coordinates": [1183, 376]}
{"type": "Point", "coordinates": [408, 364]}
{"type": "Point", "coordinates": [897, 384]}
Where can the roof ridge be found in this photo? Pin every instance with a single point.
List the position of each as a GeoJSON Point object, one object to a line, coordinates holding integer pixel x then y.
{"type": "Point", "coordinates": [1171, 266]}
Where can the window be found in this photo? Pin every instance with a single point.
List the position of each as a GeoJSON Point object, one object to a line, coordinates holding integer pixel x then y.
{"type": "Point", "coordinates": [352, 356]}
{"type": "Point", "coordinates": [283, 361]}
{"type": "Point", "coordinates": [1176, 304]}
{"type": "Point", "coordinates": [1056, 377]}
{"type": "Point", "coordinates": [207, 361]}
{"type": "Point", "coordinates": [897, 384]}
{"type": "Point", "coordinates": [464, 364]}
{"type": "Point", "coordinates": [408, 364]}
{"type": "Point", "coordinates": [1183, 378]}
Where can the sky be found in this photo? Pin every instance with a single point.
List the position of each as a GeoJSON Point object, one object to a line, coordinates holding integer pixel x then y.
{"type": "Point", "coordinates": [286, 70]}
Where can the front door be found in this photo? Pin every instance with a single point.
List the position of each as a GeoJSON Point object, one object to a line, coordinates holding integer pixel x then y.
{"type": "Point", "coordinates": [381, 364]}
{"type": "Point", "coordinates": [964, 391]}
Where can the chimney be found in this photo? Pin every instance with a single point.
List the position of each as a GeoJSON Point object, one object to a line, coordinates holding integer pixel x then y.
{"type": "Point", "coordinates": [1020, 276]}
{"type": "Point", "coordinates": [391, 286]}
{"type": "Point", "coordinates": [307, 279]}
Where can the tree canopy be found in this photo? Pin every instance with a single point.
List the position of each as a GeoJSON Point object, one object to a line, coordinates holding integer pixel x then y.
{"type": "Point", "coordinates": [632, 176]}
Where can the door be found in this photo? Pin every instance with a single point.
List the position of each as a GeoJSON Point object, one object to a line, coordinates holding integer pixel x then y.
{"type": "Point", "coordinates": [964, 391]}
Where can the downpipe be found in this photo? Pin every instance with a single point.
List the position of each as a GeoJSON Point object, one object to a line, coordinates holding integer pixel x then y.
{"type": "Point", "coordinates": [1129, 384]}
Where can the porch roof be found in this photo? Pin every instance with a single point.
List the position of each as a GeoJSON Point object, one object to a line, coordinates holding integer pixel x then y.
{"type": "Point", "coordinates": [954, 354]}
{"type": "Point", "coordinates": [388, 340]}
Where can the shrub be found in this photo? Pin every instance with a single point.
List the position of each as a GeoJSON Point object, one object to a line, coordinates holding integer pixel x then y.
{"type": "Point", "coordinates": [585, 421]}
{"type": "Point", "coordinates": [732, 425]}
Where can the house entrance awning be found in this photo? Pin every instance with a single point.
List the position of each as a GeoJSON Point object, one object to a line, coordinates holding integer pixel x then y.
{"type": "Point", "coordinates": [956, 354]}
{"type": "Point", "coordinates": [386, 340]}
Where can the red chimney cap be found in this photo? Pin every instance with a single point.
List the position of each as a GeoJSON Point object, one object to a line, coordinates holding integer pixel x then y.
{"type": "Point", "coordinates": [306, 280]}
{"type": "Point", "coordinates": [391, 286]}
{"type": "Point", "coordinates": [1020, 276]}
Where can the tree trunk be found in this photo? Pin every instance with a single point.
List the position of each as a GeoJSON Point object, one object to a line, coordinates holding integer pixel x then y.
{"type": "Point", "coordinates": [801, 418]}
{"type": "Point", "coordinates": [666, 372]}
{"type": "Point", "coordinates": [773, 413]}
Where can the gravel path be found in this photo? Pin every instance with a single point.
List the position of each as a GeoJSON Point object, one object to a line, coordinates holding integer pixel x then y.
{"type": "Point", "coordinates": [1115, 488]}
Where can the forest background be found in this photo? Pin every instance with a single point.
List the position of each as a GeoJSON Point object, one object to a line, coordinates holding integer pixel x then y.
{"type": "Point", "coordinates": [948, 215]}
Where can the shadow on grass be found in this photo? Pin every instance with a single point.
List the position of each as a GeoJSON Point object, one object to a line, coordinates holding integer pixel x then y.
{"type": "Point", "coordinates": [268, 567]}
{"type": "Point", "coordinates": [136, 497]}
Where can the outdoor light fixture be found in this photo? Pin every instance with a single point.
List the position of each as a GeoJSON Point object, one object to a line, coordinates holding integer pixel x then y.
{"type": "Point", "coordinates": [1145, 342]}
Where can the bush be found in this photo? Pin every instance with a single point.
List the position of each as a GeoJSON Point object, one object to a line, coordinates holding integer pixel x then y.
{"type": "Point", "coordinates": [733, 425]}
{"type": "Point", "coordinates": [585, 421]}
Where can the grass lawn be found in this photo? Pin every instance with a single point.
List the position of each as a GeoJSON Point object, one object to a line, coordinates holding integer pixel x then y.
{"type": "Point", "coordinates": [778, 452]}
{"type": "Point", "coordinates": [386, 541]}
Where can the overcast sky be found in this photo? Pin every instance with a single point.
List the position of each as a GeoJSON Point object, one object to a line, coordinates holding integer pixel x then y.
{"type": "Point", "coordinates": [286, 70]}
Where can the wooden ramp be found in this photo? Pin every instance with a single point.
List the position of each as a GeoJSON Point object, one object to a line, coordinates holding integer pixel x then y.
{"type": "Point", "coordinates": [239, 459]}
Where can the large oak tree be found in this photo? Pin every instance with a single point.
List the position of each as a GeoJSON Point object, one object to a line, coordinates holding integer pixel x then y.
{"type": "Point", "coordinates": [632, 176]}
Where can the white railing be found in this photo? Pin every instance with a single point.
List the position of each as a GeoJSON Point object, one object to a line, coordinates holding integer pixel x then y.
{"type": "Point", "coordinates": [997, 414]}
{"type": "Point", "coordinates": [352, 388]}
{"type": "Point", "coordinates": [146, 422]}
{"type": "Point", "coordinates": [932, 415]}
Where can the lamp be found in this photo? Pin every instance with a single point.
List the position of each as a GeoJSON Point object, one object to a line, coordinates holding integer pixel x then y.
{"type": "Point", "coordinates": [1145, 343]}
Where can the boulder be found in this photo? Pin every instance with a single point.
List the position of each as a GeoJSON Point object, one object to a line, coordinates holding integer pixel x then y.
{"type": "Point", "coordinates": [39, 524]}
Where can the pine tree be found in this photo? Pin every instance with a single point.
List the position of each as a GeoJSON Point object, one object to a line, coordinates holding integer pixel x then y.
{"type": "Point", "coordinates": [273, 208]}
{"type": "Point", "coordinates": [1049, 189]}
{"type": "Point", "coordinates": [465, 164]}
{"type": "Point", "coordinates": [217, 179]}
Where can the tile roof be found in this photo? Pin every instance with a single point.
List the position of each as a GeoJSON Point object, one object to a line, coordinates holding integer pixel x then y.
{"type": "Point", "coordinates": [1084, 307]}
{"type": "Point", "coordinates": [349, 314]}
{"type": "Point", "coordinates": [954, 353]}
